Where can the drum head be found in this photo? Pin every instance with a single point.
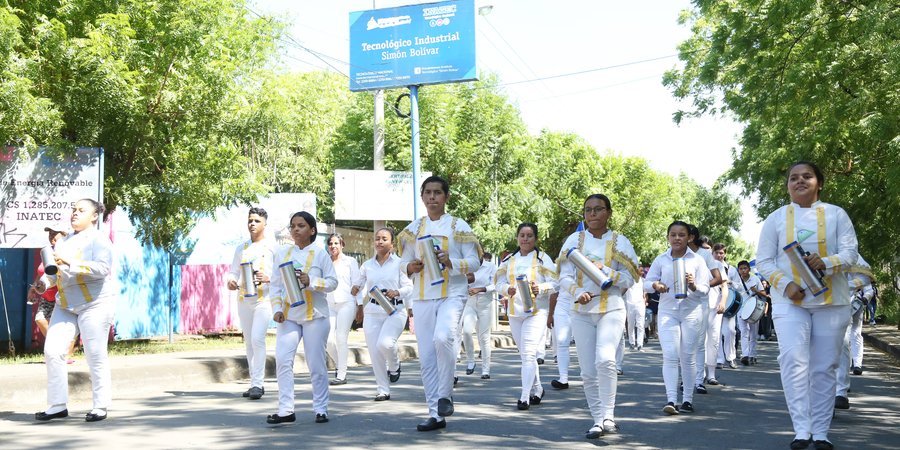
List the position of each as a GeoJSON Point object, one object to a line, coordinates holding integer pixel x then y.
{"type": "Point", "coordinates": [747, 309]}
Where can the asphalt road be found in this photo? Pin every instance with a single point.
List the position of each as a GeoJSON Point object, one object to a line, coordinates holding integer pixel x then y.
{"type": "Point", "coordinates": [747, 412]}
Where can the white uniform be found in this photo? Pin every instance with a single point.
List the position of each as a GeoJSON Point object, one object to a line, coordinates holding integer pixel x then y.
{"type": "Point", "coordinates": [711, 264]}
{"type": "Point", "coordinates": [254, 311]}
{"type": "Point", "coordinates": [562, 333]}
{"type": "Point", "coordinates": [438, 307]}
{"type": "Point", "coordinates": [85, 303]}
{"type": "Point", "coordinates": [859, 278]}
{"type": "Point", "coordinates": [477, 317]}
{"type": "Point", "coordinates": [809, 331]}
{"type": "Point", "coordinates": [383, 330]}
{"type": "Point", "coordinates": [680, 321]}
{"type": "Point", "coordinates": [749, 331]}
{"type": "Point", "coordinates": [308, 321]}
{"type": "Point", "coordinates": [528, 322]}
{"type": "Point", "coordinates": [598, 326]}
{"type": "Point", "coordinates": [714, 329]}
{"type": "Point", "coordinates": [728, 353]}
{"type": "Point", "coordinates": [342, 307]}
{"type": "Point", "coordinates": [636, 308]}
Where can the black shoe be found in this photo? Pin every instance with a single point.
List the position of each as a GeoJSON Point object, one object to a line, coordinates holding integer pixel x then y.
{"type": "Point", "coordinates": [256, 393]}
{"type": "Point", "coordinates": [800, 444]}
{"type": "Point", "coordinates": [486, 377]}
{"type": "Point", "coordinates": [712, 381]}
{"type": "Point", "coordinates": [91, 417]}
{"type": "Point", "coordinates": [45, 417]}
{"type": "Point", "coordinates": [700, 389]}
{"type": "Point", "coordinates": [745, 361]}
{"type": "Point", "coordinates": [540, 361]}
{"type": "Point", "coordinates": [455, 381]}
{"type": "Point", "coordinates": [338, 381]}
{"type": "Point", "coordinates": [841, 402]}
{"type": "Point", "coordinates": [321, 418]}
{"type": "Point", "coordinates": [445, 407]}
{"type": "Point", "coordinates": [382, 397]}
{"type": "Point", "coordinates": [431, 424]}
{"type": "Point", "coordinates": [670, 409]}
{"type": "Point", "coordinates": [275, 418]}
{"type": "Point", "coordinates": [687, 407]}
{"type": "Point", "coordinates": [536, 400]}
{"type": "Point", "coordinates": [857, 370]}
{"type": "Point", "coordinates": [522, 406]}
{"type": "Point", "coordinates": [823, 445]}
{"type": "Point", "coordinates": [470, 369]}
{"type": "Point", "coordinates": [595, 432]}
{"type": "Point", "coordinates": [394, 377]}
{"type": "Point", "coordinates": [246, 393]}
{"type": "Point", "coordinates": [753, 361]}
{"type": "Point", "coordinates": [556, 384]}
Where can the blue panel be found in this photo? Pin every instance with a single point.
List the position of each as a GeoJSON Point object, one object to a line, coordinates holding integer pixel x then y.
{"type": "Point", "coordinates": [412, 45]}
{"type": "Point", "coordinates": [16, 270]}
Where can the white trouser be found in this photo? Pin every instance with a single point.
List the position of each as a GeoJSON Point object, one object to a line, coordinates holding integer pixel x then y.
{"type": "Point", "coordinates": [635, 326]}
{"type": "Point", "coordinates": [727, 352]}
{"type": "Point", "coordinates": [477, 319]}
{"type": "Point", "coordinates": [701, 346]}
{"type": "Point", "coordinates": [382, 332]}
{"type": "Point", "coordinates": [542, 346]}
{"type": "Point", "coordinates": [529, 332]}
{"type": "Point", "coordinates": [842, 380]}
{"type": "Point", "coordinates": [809, 346]}
{"type": "Point", "coordinates": [596, 338]}
{"type": "Point", "coordinates": [341, 318]}
{"type": "Point", "coordinates": [562, 333]}
{"type": "Point", "coordinates": [314, 334]}
{"type": "Point", "coordinates": [679, 332]}
{"type": "Point", "coordinates": [749, 331]}
{"type": "Point", "coordinates": [856, 340]}
{"type": "Point", "coordinates": [437, 328]}
{"type": "Point", "coordinates": [93, 322]}
{"type": "Point", "coordinates": [620, 349]}
{"type": "Point", "coordinates": [255, 317]}
{"type": "Point", "coordinates": [713, 340]}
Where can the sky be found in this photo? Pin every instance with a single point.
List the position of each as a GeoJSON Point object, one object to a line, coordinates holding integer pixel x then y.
{"type": "Point", "coordinates": [624, 110]}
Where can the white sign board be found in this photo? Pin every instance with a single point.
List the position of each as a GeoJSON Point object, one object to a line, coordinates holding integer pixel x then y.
{"type": "Point", "coordinates": [375, 195]}
{"type": "Point", "coordinates": [41, 190]}
{"type": "Point", "coordinates": [215, 238]}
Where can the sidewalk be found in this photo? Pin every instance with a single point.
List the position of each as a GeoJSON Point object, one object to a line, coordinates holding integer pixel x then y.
{"type": "Point", "coordinates": [883, 337]}
{"type": "Point", "coordinates": [24, 383]}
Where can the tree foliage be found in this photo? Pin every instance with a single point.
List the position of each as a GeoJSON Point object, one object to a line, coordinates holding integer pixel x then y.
{"type": "Point", "coordinates": [811, 80]}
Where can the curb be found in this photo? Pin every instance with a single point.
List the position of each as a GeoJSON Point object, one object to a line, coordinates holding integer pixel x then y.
{"type": "Point", "coordinates": [886, 341]}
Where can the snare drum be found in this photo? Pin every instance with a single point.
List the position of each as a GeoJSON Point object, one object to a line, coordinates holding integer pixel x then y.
{"type": "Point", "coordinates": [733, 304]}
{"type": "Point", "coordinates": [856, 307]}
{"type": "Point", "coordinates": [752, 309]}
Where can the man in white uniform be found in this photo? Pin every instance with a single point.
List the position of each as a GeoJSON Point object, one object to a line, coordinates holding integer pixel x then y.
{"type": "Point", "coordinates": [477, 316]}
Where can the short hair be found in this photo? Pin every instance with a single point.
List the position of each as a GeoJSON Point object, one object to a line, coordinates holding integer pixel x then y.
{"type": "Point", "coordinates": [744, 263]}
{"type": "Point", "coordinates": [719, 246]}
{"type": "Point", "coordinates": [679, 223]}
{"type": "Point", "coordinates": [259, 212]}
{"type": "Point", "coordinates": [390, 232]}
{"type": "Point", "coordinates": [338, 236]}
{"type": "Point", "coordinates": [488, 255]}
{"type": "Point", "coordinates": [820, 177]}
{"type": "Point", "coordinates": [445, 186]}
{"type": "Point", "coordinates": [601, 197]}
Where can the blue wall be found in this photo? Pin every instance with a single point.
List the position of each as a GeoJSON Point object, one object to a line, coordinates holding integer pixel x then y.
{"type": "Point", "coordinates": [16, 269]}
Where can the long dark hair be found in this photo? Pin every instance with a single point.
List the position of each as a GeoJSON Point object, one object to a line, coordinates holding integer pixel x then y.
{"type": "Point", "coordinates": [310, 220]}
{"type": "Point", "coordinates": [98, 208]}
{"type": "Point", "coordinates": [534, 229]}
{"type": "Point", "coordinates": [389, 230]}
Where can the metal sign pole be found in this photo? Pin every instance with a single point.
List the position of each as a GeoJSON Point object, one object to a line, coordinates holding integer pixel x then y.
{"type": "Point", "coordinates": [416, 164]}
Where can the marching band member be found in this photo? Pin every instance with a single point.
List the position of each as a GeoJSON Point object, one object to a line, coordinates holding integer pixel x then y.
{"type": "Point", "coordinates": [715, 318]}
{"type": "Point", "coordinates": [85, 302]}
{"type": "Point", "coordinates": [303, 318]}
{"type": "Point", "coordinates": [344, 305]}
{"type": "Point", "coordinates": [859, 278]}
{"type": "Point", "coordinates": [700, 245]}
{"type": "Point", "coordinates": [598, 315]}
{"type": "Point", "coordinates": [636, 309]}
{"type": "Point", "coordinates": [477, 316]}
{"type": "Point", "coordinates": [439, 292]}
{"type": "Point", "coordinates": [810, 327]}
{"type": "Point", "coordinates": [680, 319]}
{"type": "Point", "coordinates": [728, 353]}
{"type": "Point", "coordinates": [383, 329]}
{"type": "Point", "coordinates": [528, 310]}
{"type": "Point", "coordinates": [559, 320]}
{"type": "Point", "coordinates": [749, 286]}
{"type": "Point", "coordinates": [254, 308]}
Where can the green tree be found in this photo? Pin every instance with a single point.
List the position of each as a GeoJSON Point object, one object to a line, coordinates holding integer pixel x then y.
{"type": "Point", "coordinates": [811, 80]}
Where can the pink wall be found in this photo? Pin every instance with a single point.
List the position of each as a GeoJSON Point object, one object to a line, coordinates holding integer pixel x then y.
{"type": "Point", "coordinates": [205, 301]}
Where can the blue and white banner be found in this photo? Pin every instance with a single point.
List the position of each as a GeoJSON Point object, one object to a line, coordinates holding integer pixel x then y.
{"type": "Point", "coordinates": [428, 43]}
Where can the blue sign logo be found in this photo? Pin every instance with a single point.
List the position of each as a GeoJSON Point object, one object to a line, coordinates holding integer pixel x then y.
{"type": "Point", "coordinates": [429, 43]}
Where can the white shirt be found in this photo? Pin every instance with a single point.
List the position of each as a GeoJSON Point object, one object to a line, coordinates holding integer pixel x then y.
{"type": "Point", "coordinates": [347, 270]}
{"type": "Point", "coordinates": [635, 294]}
{"type": "Point", "coordinates": [261, 254]}
{"type": "Point", "coordinates": [620, 264]}
{"type": "Point", "coordinates": [823, 229]}
{"type": "Point", "coordinates": [745, 287]}
{"type": "Point", "coordinates": [859, 277]}
{"type": "Point", "coordinates": [455, 238]}
{"type": "Point", "coordinates": [539, 269]}
{"type": "Point", "coordinates": [384, 276]}
{"type": "Point", "coordinates": [87, 277]}
{"type": "Point", "coordinates": [662, 270]}
{"type": "Point", "coordinates": [314, 261]}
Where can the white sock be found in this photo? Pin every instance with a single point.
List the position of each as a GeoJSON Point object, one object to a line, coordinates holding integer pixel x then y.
{"type": "Point", "coordinates": [98, 411]}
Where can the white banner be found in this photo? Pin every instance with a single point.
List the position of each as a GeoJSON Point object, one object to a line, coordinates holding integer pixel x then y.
{"type": "Point", "coordinates": [40, 191]}
{"type": "Point", "coordinates": [375, 195]}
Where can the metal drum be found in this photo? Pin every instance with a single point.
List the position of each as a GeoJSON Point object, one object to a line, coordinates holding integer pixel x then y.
{"type": "Point", "coordinates": [49, 260]}
{"type": "Point", "coordinates": [733, 304]}
{"type": "Point", "coordinates": [426, 246]}
{"type": "Point", "coordinates": [523, 290]}
{"type": "Point", "coordinates": [679, 276]}
{"type": "Point", "coordinates": [382, 300]}
{"type": "Point", "coordinates": [814, 279]}
{"type": "Point", "coordinates": [588, 268]}
{"type": "Point", "coordinates": [752, 309]}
